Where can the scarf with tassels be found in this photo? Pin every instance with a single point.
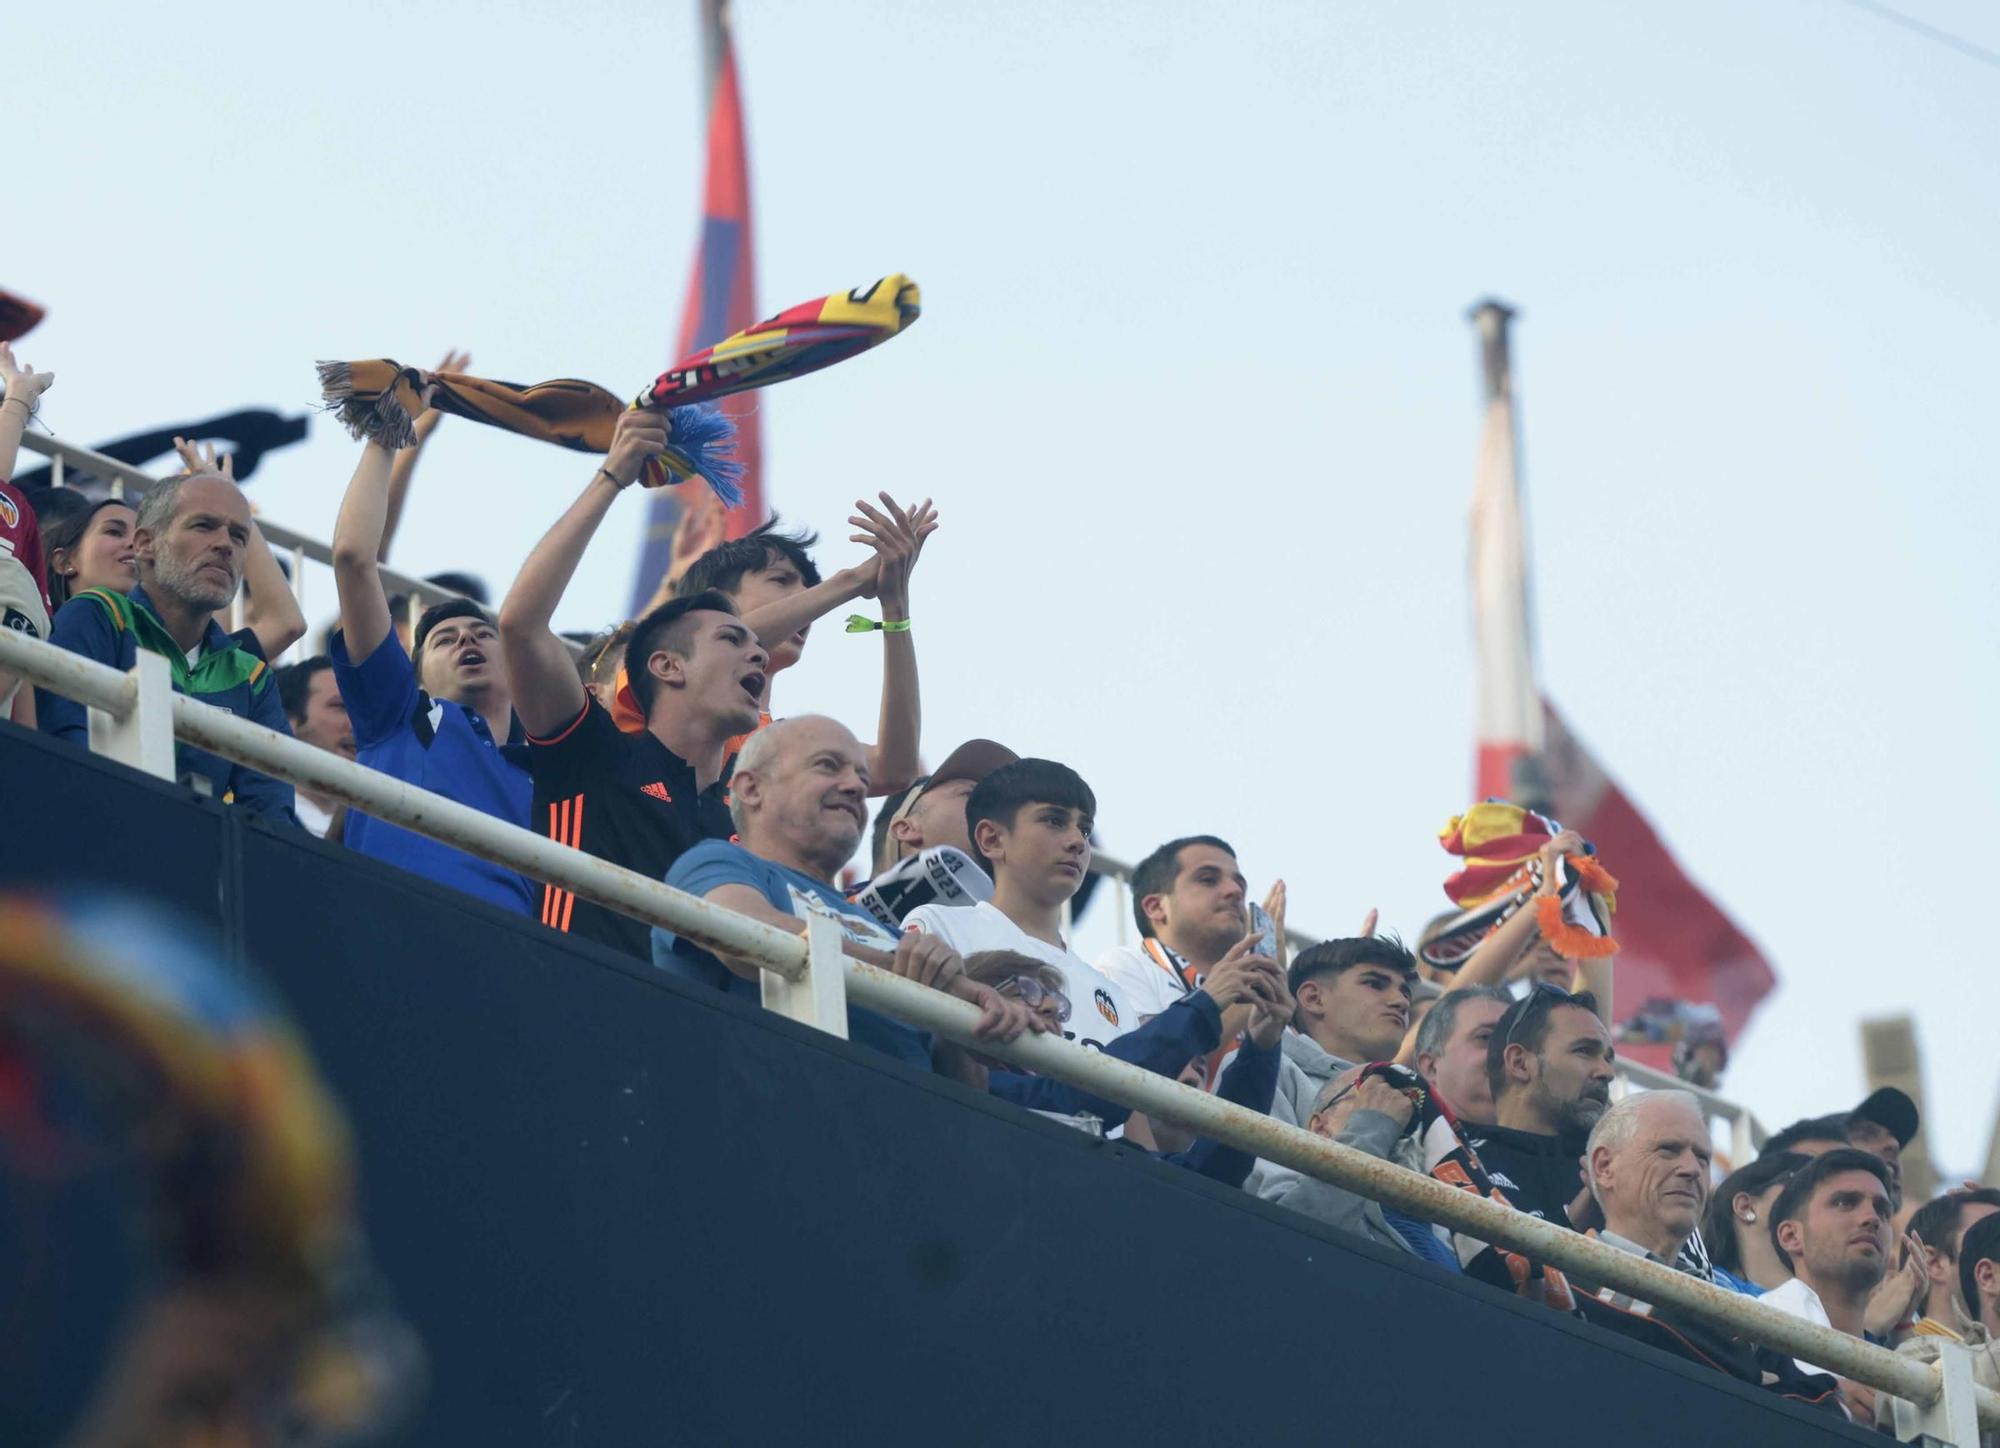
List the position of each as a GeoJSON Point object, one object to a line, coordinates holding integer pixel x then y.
{"type": "Point", "coordinates": [380, 398]}
{"type": "Point", "coordinates": [1501, 845]}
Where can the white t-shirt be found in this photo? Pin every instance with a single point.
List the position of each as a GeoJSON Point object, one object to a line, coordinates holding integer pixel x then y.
{"type": "Point", "coordinates": [1099, 1011]}
{"type": "Point", "coordinates": [316, 819]}
{"type": "Point", "coordinates": [1144, 979]}
{"type": "Point", "coordinates": [1799, 1300]}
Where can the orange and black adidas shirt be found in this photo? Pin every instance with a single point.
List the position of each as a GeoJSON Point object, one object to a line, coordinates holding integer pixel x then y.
{"type": "Point", "coordinates": [626, 798]}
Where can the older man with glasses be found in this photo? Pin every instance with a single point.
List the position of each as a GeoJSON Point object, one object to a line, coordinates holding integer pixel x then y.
{"type": "Point", "coordinates": [1549, 1064]}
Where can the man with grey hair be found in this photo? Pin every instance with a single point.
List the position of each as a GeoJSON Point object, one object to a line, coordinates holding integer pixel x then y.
{"type": "Point", "coordinates": [798, 800]}
{"type": "Point", "coordinates": [1451, 1049]}
{"type": "Point", "coordinates": [192, 536]}
{"type": "Point", "coordinates": [1647, 1161]}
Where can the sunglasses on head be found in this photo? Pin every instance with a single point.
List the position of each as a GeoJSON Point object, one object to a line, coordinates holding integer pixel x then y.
{"type": "Point", "coordinates": [1542, 997]}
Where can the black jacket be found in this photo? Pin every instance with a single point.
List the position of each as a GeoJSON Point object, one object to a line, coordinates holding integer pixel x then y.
{"type": "Point", "coordinates": [1540, 1174]}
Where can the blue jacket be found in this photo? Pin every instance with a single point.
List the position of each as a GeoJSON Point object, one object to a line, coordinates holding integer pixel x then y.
{"type": "Point", "coordinates": [1190, 1027]}
{"type": "Point", "coordinates": [230, 674]}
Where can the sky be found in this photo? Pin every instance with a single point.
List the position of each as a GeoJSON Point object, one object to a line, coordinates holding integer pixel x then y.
{"type": "Point", "coordinates": [1194, 392]}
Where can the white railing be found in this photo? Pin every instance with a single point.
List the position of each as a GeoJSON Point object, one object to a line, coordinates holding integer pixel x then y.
{"type": "Point", "coordinates": [134, 717]}
{"type": "Point", "coordinates": [1744, 1133]}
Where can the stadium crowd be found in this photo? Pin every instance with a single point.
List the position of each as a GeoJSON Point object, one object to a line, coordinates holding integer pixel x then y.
{"type": "Point", "coordinates": [1484, 1057]}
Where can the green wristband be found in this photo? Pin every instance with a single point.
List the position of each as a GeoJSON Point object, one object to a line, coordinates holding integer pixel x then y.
{"type": "Point", "coordinates": [861, 623]}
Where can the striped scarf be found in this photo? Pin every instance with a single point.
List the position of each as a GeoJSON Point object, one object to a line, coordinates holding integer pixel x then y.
{"type": "Point", "coordinates": [380, 398]}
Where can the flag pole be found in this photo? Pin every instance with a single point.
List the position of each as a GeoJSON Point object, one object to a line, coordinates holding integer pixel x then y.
{"type": "Point", "coordinates": [1511, 728]}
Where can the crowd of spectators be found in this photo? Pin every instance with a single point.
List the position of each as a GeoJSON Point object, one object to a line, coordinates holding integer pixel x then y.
{"type": "Point", "coordinates": [659, 751]}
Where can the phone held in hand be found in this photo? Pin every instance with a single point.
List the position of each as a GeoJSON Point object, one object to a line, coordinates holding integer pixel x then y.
{"type": "Point", "coordinates": [1266, 932]}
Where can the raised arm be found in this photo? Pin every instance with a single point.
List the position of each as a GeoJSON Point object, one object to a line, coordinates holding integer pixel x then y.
{"type": "Point", "coordinates": [23, 386]}
{"type": "Point", "coordinates": [547, 692]}
{"type": "Point", "coordinates": [405, 467]}
{"type": "Point", "coordinates": [357, 549]}
{"type": "Point", "coordinates": [898, 537]}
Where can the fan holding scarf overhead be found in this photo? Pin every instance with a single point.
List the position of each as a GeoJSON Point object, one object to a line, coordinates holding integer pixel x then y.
{"type": "Point", "coordinates": [1502, 846]}
{"type": "Point", "coordinates": [381, 398]}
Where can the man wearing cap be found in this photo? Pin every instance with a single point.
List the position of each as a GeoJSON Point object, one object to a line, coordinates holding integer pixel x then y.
{"type": "Point", "coordinates": [444, 723]}
{"type": "Point", "coordinates": [1882, 1126]}
{"type": "Point", "coordinates": [922, 848]}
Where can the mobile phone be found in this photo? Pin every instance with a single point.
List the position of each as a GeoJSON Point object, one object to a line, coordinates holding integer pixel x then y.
{"type": "Point", "coordinates": [1266, 932]}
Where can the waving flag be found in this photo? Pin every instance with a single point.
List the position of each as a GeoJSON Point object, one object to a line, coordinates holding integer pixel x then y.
{"type": "Point", "coordinates": [721, 300]}
{"type": "Point", "coordinates": [1675, 944]}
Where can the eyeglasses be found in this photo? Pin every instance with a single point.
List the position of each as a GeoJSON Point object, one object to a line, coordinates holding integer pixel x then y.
{"type": "Point", "coordinates": [1032, 993]}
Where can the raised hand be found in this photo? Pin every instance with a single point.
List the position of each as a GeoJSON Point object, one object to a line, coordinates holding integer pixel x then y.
{"type": "Point", "coordinates": [428, 420]}
{"type": "Point", "coordinates": [1569, 842]}
{"type": "Point", "coordinates": [1271, 1004]}
{"type": "Point", "coordinates": [1241, 977]}
{"type": "Point", "coordinates": [19, 380]}
{"type": "Point", "coordinates": [897, 535]}
{"type": "Point", "coordinates": [205, 459]}
{"type": "Point", "coordinates": [638, 438]}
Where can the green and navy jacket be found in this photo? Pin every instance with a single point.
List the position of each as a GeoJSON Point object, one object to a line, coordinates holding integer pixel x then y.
{"type": "Point", "coordinates": [230, 674]}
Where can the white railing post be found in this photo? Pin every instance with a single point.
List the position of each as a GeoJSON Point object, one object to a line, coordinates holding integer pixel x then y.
{"type": "Point", "coordinates": [144, 738]}
{"type": "Point", "coordinates": [819, 997]}
{"type": "Point", "coordinates": [1954, 1417]}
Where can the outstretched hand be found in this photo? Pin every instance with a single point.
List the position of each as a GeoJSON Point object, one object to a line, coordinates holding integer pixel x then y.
{"type": "Point", "coordinates": [205, 459]}
{"type": "Point", "coordinates": [428, 419]}
{"type": "Point", "coordinates": [1569, 842]}
{"type": "Point", "coordinates": [897, 535]}
{"type": "Point", "coordinates": [20, 380]}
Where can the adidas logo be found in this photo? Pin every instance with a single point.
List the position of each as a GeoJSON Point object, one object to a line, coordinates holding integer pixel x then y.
{"type": "Point", "coordinates": [657, 791]}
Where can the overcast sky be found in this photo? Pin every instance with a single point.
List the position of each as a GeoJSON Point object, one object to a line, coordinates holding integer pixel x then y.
{"type": "Point", "coordinates": [1194, 391]}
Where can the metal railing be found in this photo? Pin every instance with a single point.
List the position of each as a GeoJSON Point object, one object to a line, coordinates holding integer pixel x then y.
{"type": "Point", "coordinates": [135, 717]}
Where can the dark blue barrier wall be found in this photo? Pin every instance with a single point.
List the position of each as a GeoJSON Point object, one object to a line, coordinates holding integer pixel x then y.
{"type": "Point", "coordinates": [623, 1212]}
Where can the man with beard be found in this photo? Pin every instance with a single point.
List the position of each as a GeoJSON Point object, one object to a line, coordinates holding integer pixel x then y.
{"type": "Point", "coordinates": [1548, 1065]}
{"type": "Point", "coordinates": [1831, 1223]}
{"type": "Point", "coordinates": [192, 534]}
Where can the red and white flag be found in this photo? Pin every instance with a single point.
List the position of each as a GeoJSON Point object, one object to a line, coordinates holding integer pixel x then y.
{"type": "Point", "coordinates": [1675, 943]}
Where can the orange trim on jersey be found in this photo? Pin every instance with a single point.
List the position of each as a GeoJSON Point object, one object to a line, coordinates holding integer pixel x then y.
{"type": "Point", "coordinates": [576, 842]}
{"type": "Point", "coordinates": [735, 746]}
{"type": "Point", "coordinates": [568, 729]}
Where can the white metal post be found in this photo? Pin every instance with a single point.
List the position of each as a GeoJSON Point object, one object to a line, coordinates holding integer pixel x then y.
{"type": "Point", "coordinates": [144, 738]}
{"type": "Point", "coordinates": [1954, 1417]}
{"type": "Point", "coordinates": [819, 997]}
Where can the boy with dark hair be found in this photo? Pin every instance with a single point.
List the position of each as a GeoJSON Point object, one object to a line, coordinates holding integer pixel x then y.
{"type": "Point", "coordinates": [312, 701]}
{"type": "Point", "coordinates": [696, 671]}
{"type": "Point", "coordinates": [1351, 1007]}
{"type": "Point", "coordinates": [773, 585]}
{"type": "Point", "coordinates": [1030, 822]}
{"type": "Point", "coordinates": [439, 715]}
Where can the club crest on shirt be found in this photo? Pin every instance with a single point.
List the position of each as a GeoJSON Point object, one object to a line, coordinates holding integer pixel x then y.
{"type": "Point", "coordinates": [9, 514]}
{"type": "Point", "coordinates": [1106, 1007]}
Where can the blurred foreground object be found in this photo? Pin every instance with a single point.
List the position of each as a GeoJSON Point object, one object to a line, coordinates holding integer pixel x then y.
{"type": "Point", "coordinates": [124, 1036]}
{"type": "Point", "coordinates": [18, 316]}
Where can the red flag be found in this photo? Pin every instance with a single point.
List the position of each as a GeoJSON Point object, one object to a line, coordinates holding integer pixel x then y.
{"type": "Point", "coordinates": [1675, 944]}
{"type": "Point", "coordinates": [721, 300]}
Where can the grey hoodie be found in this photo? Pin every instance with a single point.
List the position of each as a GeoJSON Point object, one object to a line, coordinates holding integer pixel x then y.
{"type": "Point", "coordinates": [1306, 1068]}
